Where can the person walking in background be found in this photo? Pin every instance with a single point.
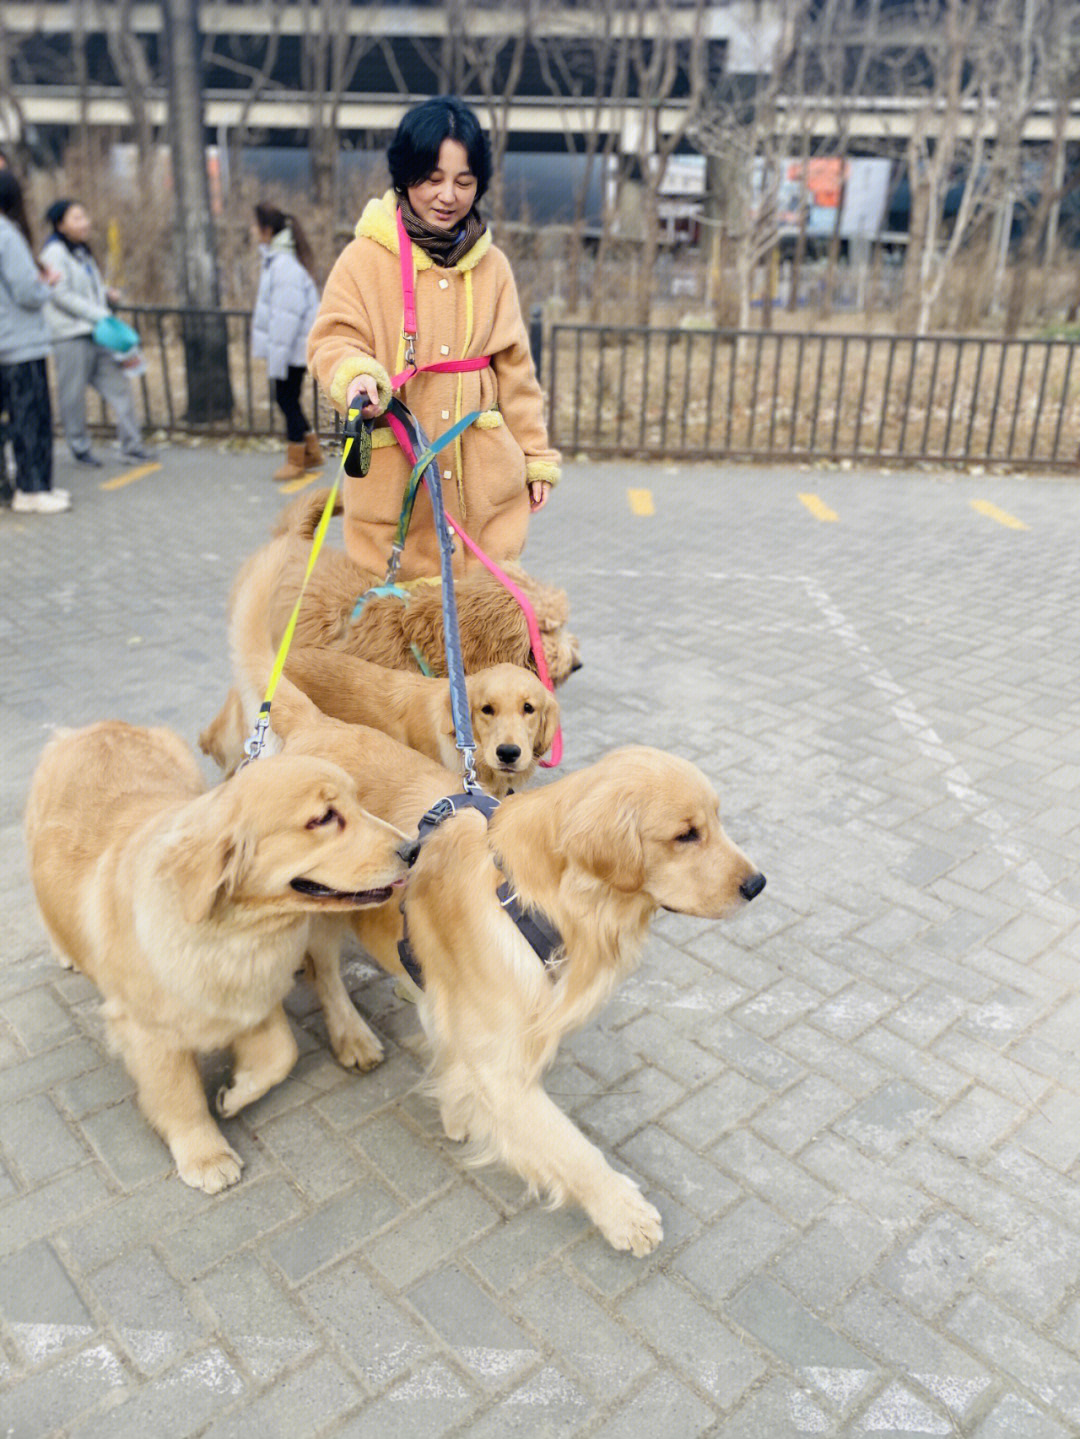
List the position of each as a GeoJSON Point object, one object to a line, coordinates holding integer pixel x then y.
{"type": "Point", "coordinates": [470, 352]}
{"type": "Point", "coordinates": [285, 307]}
{"type": "Point", "coordinates": [25, 287]}
{"type": "Point", "coordinates": [79, 301]}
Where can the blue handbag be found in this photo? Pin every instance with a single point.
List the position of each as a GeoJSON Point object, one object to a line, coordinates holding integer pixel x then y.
{"type": "Point", "coordinates": [112, 334]}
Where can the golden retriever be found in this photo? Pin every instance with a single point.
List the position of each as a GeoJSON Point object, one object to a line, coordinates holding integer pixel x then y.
{"type": "Point", "coordinates": [189, 908]}
{"type": "Point", "coordinates": [597, 852]}
{"type": "Point", "coordinates": [389, 631]}
{"type": "Point", "coordinates": [514, 717]}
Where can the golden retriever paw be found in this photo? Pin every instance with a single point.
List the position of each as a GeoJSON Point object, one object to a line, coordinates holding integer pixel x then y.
{"type": "Point", "coordinates": [208, 1164]}
{"type": "Point", "coordinates": [628, 1220]}
{"type": "Point", "coordinates": [357, 1047]}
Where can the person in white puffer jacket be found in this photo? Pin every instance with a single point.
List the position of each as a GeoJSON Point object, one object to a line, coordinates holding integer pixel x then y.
{"type": "Point", "coordinates": [285, 309]}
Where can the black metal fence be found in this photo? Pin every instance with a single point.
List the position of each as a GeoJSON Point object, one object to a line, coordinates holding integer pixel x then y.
{"type": "Point", "coordinates": [710, 394]}
{"type": "Point", "coordinates": [174, 394]}
{"type": "Point", "coordinates": [769, 395]}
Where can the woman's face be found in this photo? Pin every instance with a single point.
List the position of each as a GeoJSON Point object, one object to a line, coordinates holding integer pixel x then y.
{"type": "Point", "coordinates": [445, 197]}
{"type": "Point", "coordinates": [75, 226]}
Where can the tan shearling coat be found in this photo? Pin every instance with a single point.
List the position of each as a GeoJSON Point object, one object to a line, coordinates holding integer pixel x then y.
{"type": "Point", "coordinates": [463, 311]}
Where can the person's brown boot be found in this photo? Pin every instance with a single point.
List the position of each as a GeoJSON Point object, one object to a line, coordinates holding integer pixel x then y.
{"type": "Point", "coordinates": [295, 464]}
{"type": "Point", "coordinates": [313, 452]}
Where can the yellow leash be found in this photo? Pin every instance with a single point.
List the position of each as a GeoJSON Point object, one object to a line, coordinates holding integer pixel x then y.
{"type": "Point", "coordinates": [253, 747]}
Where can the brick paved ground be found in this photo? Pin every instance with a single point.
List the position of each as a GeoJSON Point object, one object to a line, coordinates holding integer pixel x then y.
{"type": "Point", "coordinates": [857, 1105]}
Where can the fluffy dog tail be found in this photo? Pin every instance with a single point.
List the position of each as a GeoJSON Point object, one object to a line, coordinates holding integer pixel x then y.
{"type": "Point", "coordinates": [301, 518]}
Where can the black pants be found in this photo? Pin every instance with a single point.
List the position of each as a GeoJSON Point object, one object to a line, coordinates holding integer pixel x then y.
{"type": "Point", "coordinates": [287, 394]}
{"type": "Point", "coordinates": [24, 397]}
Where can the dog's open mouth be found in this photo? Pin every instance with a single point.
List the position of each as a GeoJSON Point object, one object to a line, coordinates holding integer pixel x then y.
{"type": "Point", "coordinates": [360, 896]}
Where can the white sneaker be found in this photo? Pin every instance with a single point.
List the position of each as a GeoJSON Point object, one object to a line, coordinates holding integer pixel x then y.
{"type": "Point", "coordinates": [41, 502]}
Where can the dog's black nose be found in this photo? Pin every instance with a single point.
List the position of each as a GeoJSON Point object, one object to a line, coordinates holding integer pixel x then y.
{"type": "Point", "coordinates": [507, 753]}
{"type": "Point", "coordinates": [752, 886]}
{"type": "Point", "coordinates": [408, 851]}
{"type": "Point", "coordinates": [576, 666]}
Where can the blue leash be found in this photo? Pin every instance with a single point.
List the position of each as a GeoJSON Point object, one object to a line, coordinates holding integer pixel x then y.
{"type": "Point", "coordinates": [427, 469]}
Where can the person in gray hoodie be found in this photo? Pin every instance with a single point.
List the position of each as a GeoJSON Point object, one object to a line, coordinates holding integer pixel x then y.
{"type": "Point", "coordinates": [25, 287]}
{"type": "Point", "coordinates": [285, 308]}
{"type": "Point", "coordinates": [79, 301]}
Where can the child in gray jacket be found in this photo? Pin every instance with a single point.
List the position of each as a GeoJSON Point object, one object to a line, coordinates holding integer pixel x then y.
{"type": "Point", "coordinates": [78, 302]}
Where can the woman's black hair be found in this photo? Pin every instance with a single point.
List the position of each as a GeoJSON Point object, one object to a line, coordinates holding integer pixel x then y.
{"type": "Point", "coordinates": [269, 217]}
{"type": "Point", "coordinates": [414, 150]}
{"type": "Point", "coordinates": [13, 206]}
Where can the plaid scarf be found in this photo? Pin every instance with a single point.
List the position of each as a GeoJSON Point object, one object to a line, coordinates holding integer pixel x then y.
{"type": "Point", "coordinates": [445, 247]}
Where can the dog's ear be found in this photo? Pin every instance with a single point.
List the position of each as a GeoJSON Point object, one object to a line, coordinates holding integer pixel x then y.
{"type": "Point", "coordinates": [603, 837]}
{"type": "Point", "coordinates": [548, 714]}
{"type": "Point", "coordinates": [223, 738]}
{"type": "Point", "coordinates": [206, 864]}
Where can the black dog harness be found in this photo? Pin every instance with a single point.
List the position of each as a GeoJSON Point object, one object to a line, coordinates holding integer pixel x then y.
{"type": "Point", "coordinates": [540, 933]}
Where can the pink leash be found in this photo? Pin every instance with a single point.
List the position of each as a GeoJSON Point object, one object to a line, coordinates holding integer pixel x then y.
{"type": "Point", "coordinates": [530, 619]}
{"type": "Point", "coordinates": [504, 579]}
{"type": "Point", "coordinates": [409, 326]}
{"type": "Point", "coordinates": [481, 362]}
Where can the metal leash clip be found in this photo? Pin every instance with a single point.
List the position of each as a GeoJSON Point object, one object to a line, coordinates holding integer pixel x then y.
{"type": "Point", "coordinates": [256, 741]}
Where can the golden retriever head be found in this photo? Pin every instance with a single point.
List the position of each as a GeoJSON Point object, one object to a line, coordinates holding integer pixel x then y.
{"type": "Point", "coordinates": [646, 822]}
{"type": "Point", "coordinates": [285, 834]}
{"type": "Point", "coordinates": [514, 719]}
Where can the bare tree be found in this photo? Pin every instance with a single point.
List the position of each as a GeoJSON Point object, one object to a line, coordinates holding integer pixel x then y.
{"type": "Point", "coordinates": [133, 70]}
{"type": "Point", "coordinates": [205, 336]}
{"type": "Point", "coordinates": [667, 68]}
{"type": "Point", "coordinates": [329, 61]}
{"type": "Point", "coordinates": [947, 146]}
{"type": "Point", "coordinates": [742, 128]}
{"type": "Point", "coordinates": [1050, 54]}
{"type": "Point", "coordinates": [585, 65]}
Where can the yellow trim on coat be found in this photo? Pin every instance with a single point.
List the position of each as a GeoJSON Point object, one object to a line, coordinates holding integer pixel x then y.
{"type": "Point", "coordinates": [542, 470]}
{"type": "Point", "coordinates": [350, 370]}
{"type": "Point", "coordinates": [470, 318]}
{"type": "Point", "coordinates": [379, 223]}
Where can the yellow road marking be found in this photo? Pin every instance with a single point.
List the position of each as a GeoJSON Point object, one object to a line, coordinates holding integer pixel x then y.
{"type": "Point", "coordinates": [291, 487]}
{"type": "Point", "coordinates": [818, 508]}
{"type": "Point", "coordinates": [992, 512]}
{"type": "Point", "coordinates": [641, 502]}
{"type": "Point", "coordinates": [130, 476]}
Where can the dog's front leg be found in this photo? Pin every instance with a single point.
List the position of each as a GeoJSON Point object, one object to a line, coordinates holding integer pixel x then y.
{"type": "Point", "coordinates": [353, 1042]}
{"type": "Point", "coordinates": [171, 1095]}
{"type": "Point", "coordinates": [534, 1137]}
{"type": "Point", "coordinates": [263, 1056]}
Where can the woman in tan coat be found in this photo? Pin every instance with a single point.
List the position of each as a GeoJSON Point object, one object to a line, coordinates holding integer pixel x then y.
{"type": "Point", "coordinates": [467, 309]}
